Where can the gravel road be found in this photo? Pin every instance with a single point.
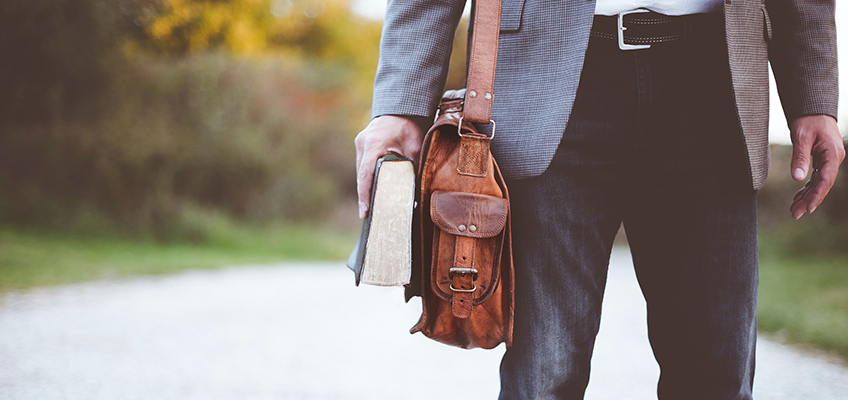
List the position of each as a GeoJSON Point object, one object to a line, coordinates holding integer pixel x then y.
{"type": "Point", "coordinates": [302, 331]}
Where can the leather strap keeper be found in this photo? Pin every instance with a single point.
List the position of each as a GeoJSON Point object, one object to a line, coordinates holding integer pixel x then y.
{"type": "Point", "coordinates": [462, 277]}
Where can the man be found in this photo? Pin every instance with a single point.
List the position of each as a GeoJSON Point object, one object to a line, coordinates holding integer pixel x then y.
{"type": "Point", "coordinates": [662, 125]}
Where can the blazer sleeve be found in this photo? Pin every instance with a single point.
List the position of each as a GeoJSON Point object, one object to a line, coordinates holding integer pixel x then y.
{"type": "Point", "coordinates": [415, 51]}
{"type": "Point", "coordinates": [802, 52]}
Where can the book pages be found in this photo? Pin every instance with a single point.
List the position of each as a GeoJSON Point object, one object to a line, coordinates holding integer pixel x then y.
{"type": "Point", "coordinates": [388, 250]}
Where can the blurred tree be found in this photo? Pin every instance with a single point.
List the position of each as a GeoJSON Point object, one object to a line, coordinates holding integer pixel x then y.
{"type": "Point", "coordinates": [57, 57]}
{"type": "Point", "coordinates": [319, 30]}
{"type": "Point", "coordinates": [130, 112]}
{"type": "Point", "coordinates": [324, 29]}
{"type": "Point", "coordinates": [179, 27]}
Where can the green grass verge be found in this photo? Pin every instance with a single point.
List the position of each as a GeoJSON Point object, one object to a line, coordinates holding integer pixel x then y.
{"type": "Point", "coordinates": [805, 300]}
{"type": "Point", "coordinates": [33, 258]}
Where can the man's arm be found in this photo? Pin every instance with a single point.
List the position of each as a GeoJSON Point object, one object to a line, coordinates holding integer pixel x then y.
{"type": "Point", "coordinates": [802, 53]}
{"type": "Point", "coordinates": [415, 53]}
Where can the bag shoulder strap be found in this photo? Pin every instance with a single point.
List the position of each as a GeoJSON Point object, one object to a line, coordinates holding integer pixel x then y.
{"type": "Point", "coordinates": [483, 60]}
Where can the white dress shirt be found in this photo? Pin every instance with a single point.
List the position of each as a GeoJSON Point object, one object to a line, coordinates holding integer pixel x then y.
{"type": "Point", "coordinates": [667, 7]}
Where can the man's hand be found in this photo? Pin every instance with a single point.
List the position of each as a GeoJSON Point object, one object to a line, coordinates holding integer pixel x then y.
{"type": "Point", "coordinates": [815, 138]}
{"type": "Point", "coordinates": [383, 135]}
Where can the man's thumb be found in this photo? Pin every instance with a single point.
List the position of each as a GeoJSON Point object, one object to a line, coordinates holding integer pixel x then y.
{"type": "Point", "coordinates": [800, 159]}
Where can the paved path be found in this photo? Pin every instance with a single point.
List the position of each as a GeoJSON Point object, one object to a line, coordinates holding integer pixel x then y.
{"type": "Point", "coordinates": [304, 332]}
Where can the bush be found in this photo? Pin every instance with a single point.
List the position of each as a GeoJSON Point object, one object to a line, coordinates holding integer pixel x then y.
{"type": "Point", "coordinates": [258, 139]}
{"type": "Point", "coordinates": [110, 123]}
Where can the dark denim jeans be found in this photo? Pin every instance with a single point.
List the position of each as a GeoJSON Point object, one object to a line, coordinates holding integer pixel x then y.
{"type": "Point", "coordinates": [653, 141]}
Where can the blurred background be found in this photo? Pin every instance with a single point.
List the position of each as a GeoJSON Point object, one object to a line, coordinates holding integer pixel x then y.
{"type": "Point", "coordinates": [153, 136]}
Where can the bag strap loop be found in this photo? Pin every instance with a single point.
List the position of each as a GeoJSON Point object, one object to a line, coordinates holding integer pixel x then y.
{"type": "Point", "coordinates": [483, 60]}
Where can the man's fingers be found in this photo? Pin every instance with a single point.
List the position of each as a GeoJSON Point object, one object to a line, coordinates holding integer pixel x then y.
{"type": "Point", "coordinates": [803, 191]}
{"type": "Point", "coordinates": [815, 190]}
{"type": "Point", "coordinates": [359, 144]}
{"type": "Point", "coordinates": [810, 201]}
{"type": "Point", "coordinates": [797, 209]}
{"type": "Point", "coordinates": [828, 157]}
{"type": "Point", "coordinates": [799, 204]}
{"type": "Point", "coordinates": [823, 181]}
{"type": "Point", "coordinates": [364, 179]}
{"type": "Point", "coordinates": [359, 152]}
{"type": "Point", "coordinates": [384, 134]}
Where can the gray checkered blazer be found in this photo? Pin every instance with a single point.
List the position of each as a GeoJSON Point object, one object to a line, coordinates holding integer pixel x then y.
{"type": "Point", "coordinates": [540, 55]}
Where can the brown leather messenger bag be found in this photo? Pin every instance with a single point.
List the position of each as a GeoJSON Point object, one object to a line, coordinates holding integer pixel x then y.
{"type": "Point", "coordinates": [462, 266]}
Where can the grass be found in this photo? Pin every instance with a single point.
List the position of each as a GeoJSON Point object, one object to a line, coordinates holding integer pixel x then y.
{"type": "Point", "coordinates": [33, 258]}
{"type": "Point", "coordinates": [802, 299]}
{"type": "Point", "coordinates": [805, 300]}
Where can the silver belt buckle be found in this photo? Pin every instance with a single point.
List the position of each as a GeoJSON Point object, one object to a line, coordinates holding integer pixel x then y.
{"type": "Point", "coordinates": [622, 28]}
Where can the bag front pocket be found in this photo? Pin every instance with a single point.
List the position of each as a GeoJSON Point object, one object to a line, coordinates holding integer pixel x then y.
{"type": "Point", "coordinates": [467, 247]}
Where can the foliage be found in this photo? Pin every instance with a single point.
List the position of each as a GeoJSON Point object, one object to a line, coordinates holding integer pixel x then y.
{"type": "Point", "coordinates": [127, 115]}
{"type": "Point", "coordinates": [35, 258]}
{"type": "Point", "coordinates": [323, 30]}
{"type": "Point", "coordinates": [185, 26]}
{"type": "Point", "coordinates": [314, 27]}
{"type": "Point", "coordinates": [805, 300]}
{"type": "Point", "coordinates": [258, 140]}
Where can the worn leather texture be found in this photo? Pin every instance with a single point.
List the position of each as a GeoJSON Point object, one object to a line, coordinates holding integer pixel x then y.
{"type": "Point", "coordinates": [464, 224]}
{"type": "Point", "coordinates": [483, 61]}
{"type": "Point", "coordinates": [455, 212]}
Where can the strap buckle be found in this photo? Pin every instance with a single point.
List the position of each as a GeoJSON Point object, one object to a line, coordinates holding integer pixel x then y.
{"type": "Point", "coordinates": [462, 272]}
{"type": "Point", "coordinates": [622, 28]}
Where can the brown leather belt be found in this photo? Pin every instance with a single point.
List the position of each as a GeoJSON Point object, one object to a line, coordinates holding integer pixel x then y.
{"type": "Point", "coordinates": [639, 29]}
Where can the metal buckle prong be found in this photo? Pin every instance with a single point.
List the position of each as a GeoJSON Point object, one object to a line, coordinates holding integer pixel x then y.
{"type": "Point", "coordinates": [462, 272]}
{"type": "Point", "coordinates": [622, 28]}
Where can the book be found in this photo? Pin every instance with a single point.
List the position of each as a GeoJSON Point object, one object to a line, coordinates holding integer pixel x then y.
{"type": "Point", "coordinates": [383, 254]}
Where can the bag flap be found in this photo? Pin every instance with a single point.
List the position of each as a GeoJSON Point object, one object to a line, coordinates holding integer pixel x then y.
{"type": "Point", "coordinates": [468, 214]}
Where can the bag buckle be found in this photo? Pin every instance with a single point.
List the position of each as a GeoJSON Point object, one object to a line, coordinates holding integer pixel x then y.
{"type": "Point", "coordinates": [622, 28]}
{"type": "Point", "coordinates": [462, 272]}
